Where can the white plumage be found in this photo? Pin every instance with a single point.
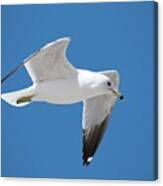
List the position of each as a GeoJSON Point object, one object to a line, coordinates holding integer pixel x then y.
{"type": "Point", "coordinates": [56, 81]}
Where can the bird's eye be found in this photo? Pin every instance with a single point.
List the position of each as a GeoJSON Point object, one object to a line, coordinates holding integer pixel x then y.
{"type": "Point", "coordinates": [109, 84]}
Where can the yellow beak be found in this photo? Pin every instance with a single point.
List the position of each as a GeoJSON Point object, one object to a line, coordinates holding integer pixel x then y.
{"type": "Point", "coordinates": [118, 94]}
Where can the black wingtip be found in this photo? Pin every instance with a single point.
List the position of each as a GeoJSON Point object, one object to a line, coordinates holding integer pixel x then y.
{"type": "Point", "coordinates": [6, 77]}
{"type": "Point", "coordinates": [12, 72]}
{"type": "Point", "coordinates": [86, 162]}
{"type": "Point", "coordinates": [2, 80]}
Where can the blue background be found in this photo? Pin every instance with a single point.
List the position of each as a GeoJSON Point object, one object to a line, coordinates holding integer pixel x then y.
{"type": "Point", "coordinates": [43, 140]}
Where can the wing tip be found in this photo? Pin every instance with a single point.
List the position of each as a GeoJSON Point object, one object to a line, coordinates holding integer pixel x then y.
{"type": "Point", "coordinates": [91, 144]}
{"type": "Point", "coordinates": [65, 39]}
{"type": "Point", "coordinates": [87, 161]}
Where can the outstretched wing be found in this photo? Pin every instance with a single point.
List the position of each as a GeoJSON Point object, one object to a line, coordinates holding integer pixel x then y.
{"type": "Point", "coordinates": [50, 62]}
{"type": "Point", "coordinates": [96, 113]}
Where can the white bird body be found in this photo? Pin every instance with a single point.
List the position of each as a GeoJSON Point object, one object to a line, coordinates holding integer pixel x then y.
{"type": "Point", "coordinates": [56, 81]}
{"type": "Point", "coordinates": [70, 90]}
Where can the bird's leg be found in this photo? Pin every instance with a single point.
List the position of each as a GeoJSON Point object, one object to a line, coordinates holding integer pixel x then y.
{"type": "Point", "coordinates": [25, 99]}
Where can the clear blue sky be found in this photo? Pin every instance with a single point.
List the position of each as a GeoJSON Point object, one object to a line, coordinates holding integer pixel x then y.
{"type": "Point", "coordinates": [43, 140]}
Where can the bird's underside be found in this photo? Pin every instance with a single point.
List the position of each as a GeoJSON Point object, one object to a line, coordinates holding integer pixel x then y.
{"type": "Point", "coordinates": [47, 69]}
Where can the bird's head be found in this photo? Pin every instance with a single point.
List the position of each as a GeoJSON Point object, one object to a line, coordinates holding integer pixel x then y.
{"type": "Point", "coordinates": [110, 85]}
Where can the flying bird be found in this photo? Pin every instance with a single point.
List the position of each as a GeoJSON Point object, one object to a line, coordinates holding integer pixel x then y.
{"type": "Point", "coordinates": [57, 81]}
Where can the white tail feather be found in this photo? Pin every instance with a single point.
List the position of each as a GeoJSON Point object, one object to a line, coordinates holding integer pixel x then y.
{"type": "Point", "coordinates": [12, 97]}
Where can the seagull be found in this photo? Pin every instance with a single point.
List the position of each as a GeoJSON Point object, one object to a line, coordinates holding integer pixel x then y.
{"type": "Point", "coordinates": [57, 81]}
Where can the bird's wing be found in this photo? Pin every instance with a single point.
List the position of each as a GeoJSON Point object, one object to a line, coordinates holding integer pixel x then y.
{"type": "Point", "coordinates": [50, 62]}
{"type": "Point", "coordinates": [96, 113]}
